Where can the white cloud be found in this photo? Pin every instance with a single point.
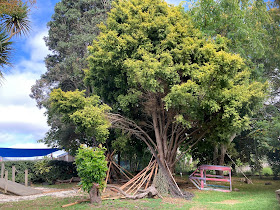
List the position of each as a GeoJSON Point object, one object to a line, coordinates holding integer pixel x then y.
{"type": "Point", "coordinates": [6, 137]}
{"type": "Point", "coordinates": [21, 122]}
{"type": "Point", "coordinates": [22, 118]}
{"type": "Point", "coordinates": [16, 89]}
{"type": "Point", "coordinates": [29, 146]}
{"type": "Point", "coordinates": [37, 47]}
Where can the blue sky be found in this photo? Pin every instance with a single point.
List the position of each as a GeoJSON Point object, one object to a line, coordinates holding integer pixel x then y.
{"type": "Point", "coordinates": [21, 122]}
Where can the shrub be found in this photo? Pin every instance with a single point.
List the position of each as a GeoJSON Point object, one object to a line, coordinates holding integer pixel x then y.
{"type": "Point", "coordinates": [92, 167]}
{"type": "Point", "coordinates": [267, 171]}
{"type": "Point", "coordinates": [52, 170]}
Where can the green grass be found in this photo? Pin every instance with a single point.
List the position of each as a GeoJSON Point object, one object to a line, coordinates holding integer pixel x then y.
{"type": "Point", "coordinates": [251, 196]}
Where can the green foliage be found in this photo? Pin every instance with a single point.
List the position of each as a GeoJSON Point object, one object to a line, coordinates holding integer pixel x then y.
{"type": "Point", "coordinates": [52, 170]}
{"type": "Point", "coordinates": [20, 168]}
{"type": "Point", "coordinates": [42, 170]}
{"type": "Point", "coordinates": [131, 150]}
{"type": "Point", "coordinates": [13, 21]}
{"type": "Point", "coordinates": [86, 113]}
{"type": "Point", "coordinates": [245, 23]}
{"type": "Point", "coordinates": [5, 51]}
{"type": "Point", "coordinates": [267, 171]}
{"type": "Point", "coordinates": [91, 166]}
{"type": "Point", "coordinates": [262, 140]}
{"type": "Point", "coordinates": [163, 53]}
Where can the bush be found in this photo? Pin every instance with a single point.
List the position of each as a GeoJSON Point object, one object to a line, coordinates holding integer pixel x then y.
{"type": "Point", "coordinates": [52, 170]}
{"type": "Point", "coordinates": [91, 166]}
{"type": "Point", "coordinates": [267, 171]}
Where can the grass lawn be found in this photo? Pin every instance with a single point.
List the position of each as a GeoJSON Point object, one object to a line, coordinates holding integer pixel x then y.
{"type": "Point", "coordinates": [251, 196]}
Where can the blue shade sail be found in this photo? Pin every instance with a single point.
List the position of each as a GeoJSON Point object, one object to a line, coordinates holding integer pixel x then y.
{"type": "Point", "coordinates": [14, 152]}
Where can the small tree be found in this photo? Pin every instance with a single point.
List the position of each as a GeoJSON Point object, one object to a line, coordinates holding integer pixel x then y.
{"type": "Point", "coordinates": [92, 167]}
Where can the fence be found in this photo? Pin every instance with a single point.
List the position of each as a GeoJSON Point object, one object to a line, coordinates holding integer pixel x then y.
{"type": "Point", "coordinates": [5, 172]}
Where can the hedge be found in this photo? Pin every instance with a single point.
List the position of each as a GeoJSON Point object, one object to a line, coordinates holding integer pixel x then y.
{"type": "Point", "coordinates": [59, 169]}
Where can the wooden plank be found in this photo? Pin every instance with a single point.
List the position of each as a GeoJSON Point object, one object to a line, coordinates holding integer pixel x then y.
{"type": "Point", "coordinates": [133, 179]}
{"type": "Point", "coordinates": [211, 179]}
{"type": "Point", "coordinates": [140, 178]}
{"type": "Point", "coordinates": [121, 170]}
{"type": "Point", "coordinates": [125, 170]}
{"type": "Point", "coordinates": [173, 179]}
{"type": "Point", "coordinates": [18, 189]}
{"type": "Point", "coordinates": [26, 177]}
{"type": "Point", "coordinates": [2, 170]}
{"type": "Point", "coordinates": [156, 169]}
{"type": "Point", "coordinates": [215, 167]}
{"type": "Point", "coordinates": [108, 172]}
{"type": "Point", "coordinates": [13, 173]}
{"type": "Point", "coordinates": [6, 182]}
{"type": "Point", "coordinates": [141, 184]}
{"type": "Point", "coordinates": [151, 174]}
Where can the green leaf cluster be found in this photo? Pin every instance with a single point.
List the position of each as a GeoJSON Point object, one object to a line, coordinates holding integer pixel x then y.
{"type": "Point", "coordinates": [88, 114]}
{"type": "Point", "coordinates": [248, 24]}
{"type": "Point", "coordinates": [91, 166]}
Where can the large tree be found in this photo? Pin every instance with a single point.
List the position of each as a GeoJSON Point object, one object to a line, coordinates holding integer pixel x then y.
{"type": "Point", "coordinates": [71, 31]}
{"type": "Point", "coordinates": [167, 83]}
{"type": "Point", "coordinates": [253, 32]}
{"type": "Point", "coordinates": [168, 79]}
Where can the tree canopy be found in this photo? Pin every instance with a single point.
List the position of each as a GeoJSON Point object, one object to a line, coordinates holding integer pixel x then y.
{"type": "Point", "coordinates": [71, 31]}
{"type": "Point", "coordinates": [252, 29]}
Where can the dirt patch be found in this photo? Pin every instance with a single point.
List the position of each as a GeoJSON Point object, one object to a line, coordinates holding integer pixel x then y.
{"type": "Point", "coordinates": [198, 208]}
{"type": "Point", "coordinates": [230, 202]}
{"type": "Point", "coordinates": [179, 202]}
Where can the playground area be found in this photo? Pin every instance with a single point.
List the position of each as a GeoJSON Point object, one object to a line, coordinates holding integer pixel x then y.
{"type": "Point", "coordinates": [259, 195]}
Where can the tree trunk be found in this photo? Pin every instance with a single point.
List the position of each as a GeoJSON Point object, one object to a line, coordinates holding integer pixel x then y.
{"type": "Point", "coordinates": [119, 158]}
{"type": "Point", "coordinates": [223, 153]}
{"type": "Point", "coordinates": [94, 194]}
{"type": "Point", "coordinates": [215, 155]}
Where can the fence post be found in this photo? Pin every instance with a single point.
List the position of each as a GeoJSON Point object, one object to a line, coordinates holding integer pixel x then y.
{"type": "Point", "coordinates": [2, 170]}
{"type": "Point", "coordinates": [26, 177]}
{"type": "Point", "coordinates": [6, 182]}
{"type": "Point", "coordinates": [13, 174]}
